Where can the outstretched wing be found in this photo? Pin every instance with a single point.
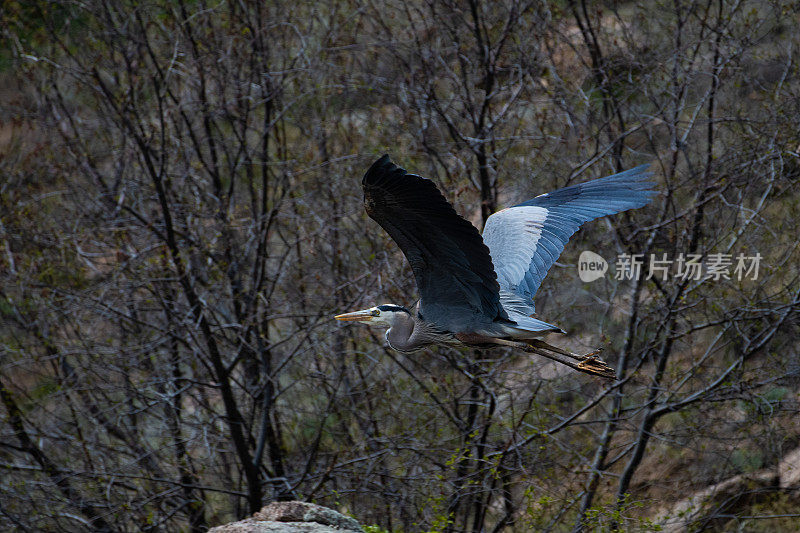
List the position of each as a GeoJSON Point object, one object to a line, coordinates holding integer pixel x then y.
{"type": "Point", "coordinates": [451, 264]}
{"type": "Point", "coordinates": [525, 240]}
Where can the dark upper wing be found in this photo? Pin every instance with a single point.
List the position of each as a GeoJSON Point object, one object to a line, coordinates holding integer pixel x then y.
{"type": "Point", "coordinates": [452, 266]}
{"type": "Point", "coordinates": [525, 240]}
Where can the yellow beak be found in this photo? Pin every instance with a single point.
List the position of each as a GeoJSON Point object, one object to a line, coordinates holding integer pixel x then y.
{"type": "Point", "coordinates": [361, 316]}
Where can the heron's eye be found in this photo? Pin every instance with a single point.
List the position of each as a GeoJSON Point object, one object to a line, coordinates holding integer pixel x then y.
{"type": "Point", "coordinates": [376, 313]}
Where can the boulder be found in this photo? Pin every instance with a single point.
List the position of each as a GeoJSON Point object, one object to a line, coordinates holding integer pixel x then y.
{"type": "Point", "coordinates": [789, 470]}
{"type": "Point", "coordinates": [728, 494]}
{"type": "Point", "coordinates": [292, 517]}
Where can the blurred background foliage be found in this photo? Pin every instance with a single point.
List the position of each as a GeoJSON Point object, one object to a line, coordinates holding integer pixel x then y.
{"type": "Point", "coordinates": [181, 215]}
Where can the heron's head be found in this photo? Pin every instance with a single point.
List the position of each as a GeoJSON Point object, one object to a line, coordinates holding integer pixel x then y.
{"type": "Point", "coordinates": [380, 315]}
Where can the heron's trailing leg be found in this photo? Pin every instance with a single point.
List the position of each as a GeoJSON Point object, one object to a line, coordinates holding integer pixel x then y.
{"type": "Point", "coordinates": [545, 346]}
{"type": "Point", "coordinates": [589, 363]}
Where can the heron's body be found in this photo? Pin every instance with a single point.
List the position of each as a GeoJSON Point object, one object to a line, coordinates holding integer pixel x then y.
{"type": "Point", "coordinates": [478, 290]}
{"type": "Point", "coordinates": [409, 331]}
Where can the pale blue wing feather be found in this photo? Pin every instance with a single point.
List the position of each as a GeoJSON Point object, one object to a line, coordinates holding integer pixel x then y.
{"type": "Point", "coordinates": [525, 240]}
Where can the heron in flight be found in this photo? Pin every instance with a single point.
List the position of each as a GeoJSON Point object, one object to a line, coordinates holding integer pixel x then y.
{"type": "Point", "coordinates": [478, 290]}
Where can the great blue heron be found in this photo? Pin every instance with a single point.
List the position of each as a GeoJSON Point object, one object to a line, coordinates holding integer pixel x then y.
{"type": "Point", "coordinates": [479, 291]}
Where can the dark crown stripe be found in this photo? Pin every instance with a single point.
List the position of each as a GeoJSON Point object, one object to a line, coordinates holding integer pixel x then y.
{"type": "Point", "coordinates": [395, 308]}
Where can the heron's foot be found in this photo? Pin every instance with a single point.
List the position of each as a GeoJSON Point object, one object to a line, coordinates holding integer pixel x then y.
{"type": "Point", "coordinates": [592, 364]}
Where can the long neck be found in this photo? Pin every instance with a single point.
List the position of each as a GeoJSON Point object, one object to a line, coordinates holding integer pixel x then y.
{"type": "Point", "coordinates": [401, 335]}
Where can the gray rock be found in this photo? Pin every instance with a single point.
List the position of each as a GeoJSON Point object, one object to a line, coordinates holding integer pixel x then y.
{"type": "Point", "coordinates": [789, 470]}
{"type": "Point", "coordinates": [679, 518]}
{"type": "Point", "coordinates": [292, 517]}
